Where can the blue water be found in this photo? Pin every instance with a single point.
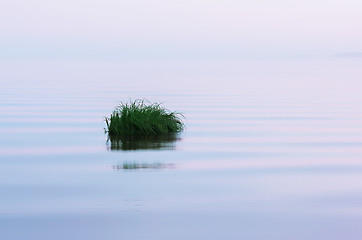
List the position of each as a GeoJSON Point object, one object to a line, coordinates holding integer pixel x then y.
{"type": "Point", "coordinates": [272, 150]}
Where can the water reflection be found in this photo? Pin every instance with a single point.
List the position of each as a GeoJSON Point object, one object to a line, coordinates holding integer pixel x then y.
{"type": "Point", "coordinates": [141, 166]}
{"type": "Point", "coordinates": [160, 142]}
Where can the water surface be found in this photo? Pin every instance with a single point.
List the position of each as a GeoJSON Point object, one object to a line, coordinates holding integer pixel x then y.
{"type": "Point", "coordinates": [272, 150]}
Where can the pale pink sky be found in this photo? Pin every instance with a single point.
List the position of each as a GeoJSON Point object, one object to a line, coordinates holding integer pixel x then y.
{"type": "Point", "coordinates": [187, 28]}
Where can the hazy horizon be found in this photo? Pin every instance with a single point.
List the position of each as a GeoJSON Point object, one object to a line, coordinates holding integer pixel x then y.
{"type": "Point", "coordinates": [163, 30]}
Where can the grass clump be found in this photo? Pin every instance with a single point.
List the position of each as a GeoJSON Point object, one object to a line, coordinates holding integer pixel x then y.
{"type": "Point", "coordinates": [141, 118]}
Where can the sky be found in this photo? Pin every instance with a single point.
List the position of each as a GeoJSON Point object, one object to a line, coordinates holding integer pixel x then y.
{"type": "Point", "coordinates": [187, 29]}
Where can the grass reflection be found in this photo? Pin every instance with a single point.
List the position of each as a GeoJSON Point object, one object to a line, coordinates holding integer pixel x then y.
{"type": "Point", "coordinates": [127, 143]}
{"type": "Point", "coordinates": [140, 166]}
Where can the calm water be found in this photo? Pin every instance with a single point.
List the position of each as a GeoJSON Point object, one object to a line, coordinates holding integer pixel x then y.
{"type": "Point", "coordinates": [272, 150]}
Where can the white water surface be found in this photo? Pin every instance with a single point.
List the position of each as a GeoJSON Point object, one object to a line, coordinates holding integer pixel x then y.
{"type": "Point", "coordinates": [272, 150]}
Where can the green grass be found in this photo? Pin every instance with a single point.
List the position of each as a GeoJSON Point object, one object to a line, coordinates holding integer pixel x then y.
{"type": "Point", "coordinates": [141, 118]}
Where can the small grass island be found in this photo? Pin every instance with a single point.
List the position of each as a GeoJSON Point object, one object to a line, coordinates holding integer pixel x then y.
{"type": "Point", "coordinates": [141, 118]}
